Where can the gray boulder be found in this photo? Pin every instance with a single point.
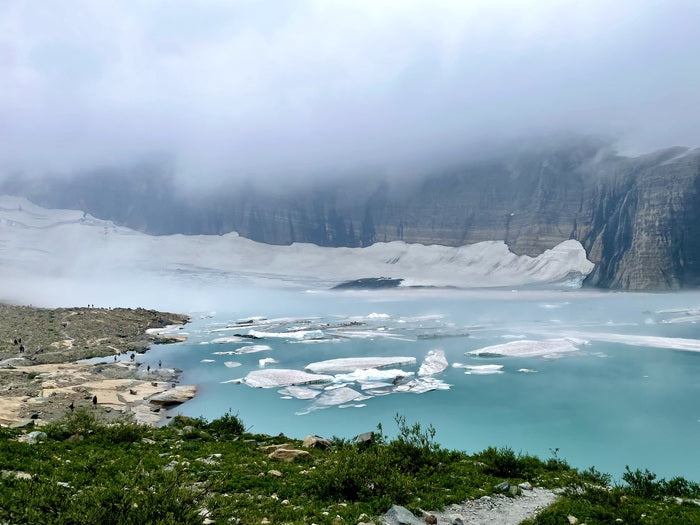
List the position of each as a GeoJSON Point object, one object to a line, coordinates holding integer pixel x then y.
{"type": "Point", "coordinates": [398, 515]}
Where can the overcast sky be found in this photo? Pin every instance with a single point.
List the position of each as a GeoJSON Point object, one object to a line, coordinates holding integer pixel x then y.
{"type": "Point", "coordinates": [240, 88]}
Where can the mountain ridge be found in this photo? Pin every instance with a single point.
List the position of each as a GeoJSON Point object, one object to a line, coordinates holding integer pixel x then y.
{"type": "Point", "coordinates": [638, 218]}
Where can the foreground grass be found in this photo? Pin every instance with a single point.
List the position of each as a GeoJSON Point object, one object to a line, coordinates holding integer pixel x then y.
{"type": "Point", "coordinates": [193, 470]}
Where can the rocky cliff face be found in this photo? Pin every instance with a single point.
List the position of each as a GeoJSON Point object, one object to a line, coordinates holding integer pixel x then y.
{"type": "Point", "coordinates": [638, 218]}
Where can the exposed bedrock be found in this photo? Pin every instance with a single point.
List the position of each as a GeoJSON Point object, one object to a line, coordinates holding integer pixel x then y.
{"type": "Point", "coordinates": [637, 217]}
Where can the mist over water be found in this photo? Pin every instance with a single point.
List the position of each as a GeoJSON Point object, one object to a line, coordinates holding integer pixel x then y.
{"type": "Point", "coordinates": [607, 404]}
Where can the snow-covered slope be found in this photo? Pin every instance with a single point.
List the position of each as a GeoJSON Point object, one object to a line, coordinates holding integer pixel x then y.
{"type": "Point", "coordinates": [36, 243]}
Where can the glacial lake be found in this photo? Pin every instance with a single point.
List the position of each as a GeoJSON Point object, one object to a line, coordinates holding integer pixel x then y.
{"type": "Point", "coordinates": [606, 379]}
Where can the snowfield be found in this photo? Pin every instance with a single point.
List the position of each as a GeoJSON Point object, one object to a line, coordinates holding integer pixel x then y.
{"type": "Point", "coordinates": [38, 243]}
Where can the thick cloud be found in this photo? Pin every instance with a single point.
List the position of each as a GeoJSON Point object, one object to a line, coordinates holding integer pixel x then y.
{"type": "Point", "coordinates": [234, 89]}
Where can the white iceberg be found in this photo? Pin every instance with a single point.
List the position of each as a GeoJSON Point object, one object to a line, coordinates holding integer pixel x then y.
{"type": "Point", "coordinates": [252, 349]}
{"type": "Point", "coordinates": [297, 334]}
{"type": "Point", "coordinates": [277, 377]}
{"type": "Point", "coordinates": [262, 363]}
{"type": "Point", "coordinates": [232, 364]}
{"type": "Point", "coordinates": [229, 339]}
{"type": "Point", "coordinates": [527, 348]}
{"type": "Point", "coordinates": [671, 343]}
{"type": "Point", "coordinates": [434, 363]}
{"type": "Point", "coordinates": [371, 374]}
{"type": "Point", "coordinates": [350, 364]}
{"type": "Point", "coordinates": [338, 396]}
{"type": "Point", "coordinates": [422, 385]}
{"type": "Point", "coordinates": [480, 369]}
{"type": "Point", "coordinates": [299, 392]}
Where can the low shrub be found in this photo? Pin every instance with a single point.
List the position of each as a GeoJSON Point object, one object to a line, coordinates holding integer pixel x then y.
{"type": "Point", "coordinates": [227, 425]}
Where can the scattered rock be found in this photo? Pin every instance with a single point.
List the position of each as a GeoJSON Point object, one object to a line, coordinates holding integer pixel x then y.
{"type": "Point", "coordinates": [502, 487]}
{"type": "Point", "coordinates": [316, 442]}
{"type": "Point", "coordinates": [514, 491]}
{"type": "Point", "coordinates": [525, 485]}
{"type": "Point", "coordinates": [33, 437]}
{"type": "Point", "coordinates": [74, 438]}
{"type": "Point", "coordinates": [287, 455]}
{"type": "Point", "coordinates": [366, 438]}
{"type": "Point", "coordinates": [23, 423]}
{"type": "Point", "coordinates": [398, 515]}
{"type": "Point", "coordinates": [271, 448]}
{"type": "Point", "coordinates": [174, 396]}
{"type": "Point", "coordinates": [429, 518]}
{"type": "Point", "coordinates": [275, 473]}
{"type": "Point", "coordinates": [573, 520]}
{"type": "Point", "coordinates": [458, 520]}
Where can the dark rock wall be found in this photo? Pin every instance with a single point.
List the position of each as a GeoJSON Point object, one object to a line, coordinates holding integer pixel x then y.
{"type": "Point", "coordinates": [638, 218]}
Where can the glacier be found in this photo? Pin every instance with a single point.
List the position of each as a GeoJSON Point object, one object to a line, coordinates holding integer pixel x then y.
{"type": "Point", "coordinates": [41, 247]}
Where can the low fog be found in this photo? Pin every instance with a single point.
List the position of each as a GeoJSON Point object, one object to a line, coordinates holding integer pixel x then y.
{"type": "Point", "coordinates": [226, 90]}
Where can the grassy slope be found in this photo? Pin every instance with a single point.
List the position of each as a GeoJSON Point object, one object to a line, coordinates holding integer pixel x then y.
{"type": "Point", "coordinates": [130, 474]}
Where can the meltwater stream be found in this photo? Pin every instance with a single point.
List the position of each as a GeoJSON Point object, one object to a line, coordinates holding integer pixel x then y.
{"type": "Point", "coordinates": [607, 379]}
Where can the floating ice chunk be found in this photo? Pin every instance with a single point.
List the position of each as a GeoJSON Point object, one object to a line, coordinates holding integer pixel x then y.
{"type": "Point", "coordinates": [422, 385]}
{"type": "Point", "coordinates": [262, 363]}
{"type": "Point", "coordinates": [229, 339]}
{"type": "Point", "coordinates": [374, 384]}
{"type": "Point", "coordinates": [671, 343]}
{"type": "Point", "coordinates": [353, 405]}
{"type": "Point", "coordinates": [374, 315]}
{"type": "Point", "coordinates": [350, 364]}
{"type": "Point", "coordinates": [482, 369]}
{"type": "Point", "coordinates": [339, 396]}
{"type": "Point", "coordinates": [207, 361]}
{"type": "Point", "coordinates": [252, 349]}
{"type": "Point", "coordinates": [525, 348]}
{"type": "Point", "coordinates": [299, 392]}
{"type": "Point", "coordinates": [297, 334]}
{"type": "Point", "coordinates": [371, 374]}
{"type": "Point", "coordinates": [434, 363]}
{"type": "Point", "coordinates": [236, 381]}
{"type": "Point", "coordinates": [276, 377]}
{"type": "Point", "coordinates": [232, 364]}
{"type": "Point", "coordinates": [527, 370]}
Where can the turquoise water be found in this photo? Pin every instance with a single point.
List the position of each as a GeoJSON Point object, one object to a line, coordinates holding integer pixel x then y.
{"type": "Point", "coordinates": [606, 404]}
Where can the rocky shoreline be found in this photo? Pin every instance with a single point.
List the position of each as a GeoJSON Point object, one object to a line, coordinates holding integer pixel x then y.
{"type": "Point", "coordinates": [43, 374]}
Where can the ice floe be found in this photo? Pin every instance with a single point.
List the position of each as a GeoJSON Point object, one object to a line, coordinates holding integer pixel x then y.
{"type": "Point", "coordinates": [262, 363]}
{"type": "Point", "coordinates": [371, 374]}
{"type": "Point", "coordinates": [422, 385]}
{"type": "Point", "coordinates": [480, 369]}
{"type": "Point", "coordinates": [527, 348]}
{"type": "Point", "coordinates": [671, 343]}
{"type": "Point", "coordinates": [298, 334]}
{"type": "Point", "coordinates": [208, 361]}
{"type": "Point", "coordinates": [232, 364]}
{"type": "Point", "coordinates": [299, 392]}
{"type": "Point", "coordinates": [434, 363]}
{"type": "Point", "coordinates": [252, 349]}
{"type": "Point", "coordinates": [229, 339]}
{"type": "Point", "coordinates": [277, 377]}
{"type": "Point", "coordinates": [339, 396]}
{"type": "Point", "coordinates": [350, 364]}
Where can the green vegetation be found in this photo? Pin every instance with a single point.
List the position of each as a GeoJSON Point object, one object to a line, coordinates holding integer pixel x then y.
{"type": "Point", "coordinates": [89, 472]}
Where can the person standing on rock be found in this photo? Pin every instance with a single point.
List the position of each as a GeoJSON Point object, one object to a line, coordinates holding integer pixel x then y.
{"type": "Point", "coordinates": [94, 401]}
